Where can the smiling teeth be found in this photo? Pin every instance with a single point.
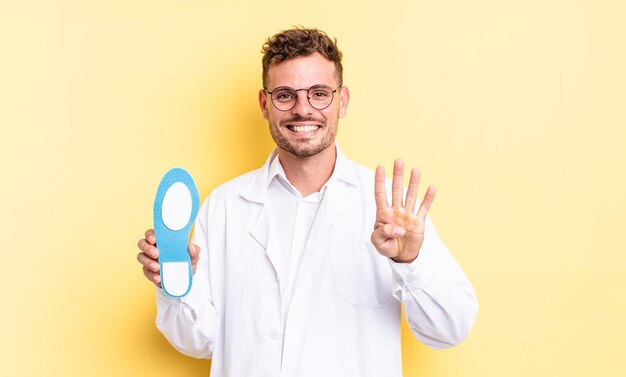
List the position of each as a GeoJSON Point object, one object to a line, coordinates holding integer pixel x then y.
{"type": "Point", "coordinates": [304, 128]}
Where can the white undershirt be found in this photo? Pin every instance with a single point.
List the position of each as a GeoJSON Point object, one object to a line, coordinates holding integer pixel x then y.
{"type": "Point", "coordinates": [292, 218]}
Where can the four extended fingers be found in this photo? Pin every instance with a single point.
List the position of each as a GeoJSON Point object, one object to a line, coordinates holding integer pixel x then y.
{"type": "Point", "coordinates": [397, 188]}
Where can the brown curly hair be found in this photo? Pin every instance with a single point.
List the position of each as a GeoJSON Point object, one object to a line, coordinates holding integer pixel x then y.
{"type": "Point", "coordinates": [300, 42]}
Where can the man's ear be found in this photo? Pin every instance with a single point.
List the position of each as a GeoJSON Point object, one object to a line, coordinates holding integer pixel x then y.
{"type": "Point", "coordinates": [263, 103]}
{"type": "Point", "coordinates": [344, 99]}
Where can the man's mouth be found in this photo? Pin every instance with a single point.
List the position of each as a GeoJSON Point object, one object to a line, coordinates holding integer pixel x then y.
{"type": "Point", "coordinates": [306, 128]}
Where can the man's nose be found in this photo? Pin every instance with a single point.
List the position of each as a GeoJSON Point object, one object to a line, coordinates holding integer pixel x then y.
{"type": "Point", "coordinates": [302, 106]}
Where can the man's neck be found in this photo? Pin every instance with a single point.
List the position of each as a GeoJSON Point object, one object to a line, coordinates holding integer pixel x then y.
{"type": "Point", "coordinates": [309, 174]}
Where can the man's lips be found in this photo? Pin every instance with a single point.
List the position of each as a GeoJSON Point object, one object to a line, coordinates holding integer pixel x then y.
{"type": "Point", "coordinates": [303, 127]}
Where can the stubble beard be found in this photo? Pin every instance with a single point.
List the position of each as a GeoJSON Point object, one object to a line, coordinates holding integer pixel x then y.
{"type": "Point", "coordinates": [303, 148]}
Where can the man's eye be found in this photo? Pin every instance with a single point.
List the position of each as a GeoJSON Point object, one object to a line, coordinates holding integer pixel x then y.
{"type": "Point", "coordinates": [284, 96]}
{"type": "Point", "coordinates": [320, 93]}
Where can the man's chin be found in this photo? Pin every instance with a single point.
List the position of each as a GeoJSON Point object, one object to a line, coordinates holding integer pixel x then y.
{"type": "Point", "coordinates": [305, 151]}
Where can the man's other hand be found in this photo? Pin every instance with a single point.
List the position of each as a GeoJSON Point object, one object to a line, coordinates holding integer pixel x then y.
{"type": "Point", "coordinates": [149, 257]}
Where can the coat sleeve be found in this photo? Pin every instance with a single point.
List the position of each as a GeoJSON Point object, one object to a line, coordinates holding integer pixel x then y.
{"type": "Point", "coordinates": [190, 323]}
{"type": "Point", "coordinates": [439, 301]}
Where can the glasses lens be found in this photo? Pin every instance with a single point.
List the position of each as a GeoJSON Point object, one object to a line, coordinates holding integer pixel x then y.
{"type": "Point", "coordinates": [320, 96]}
{"type": "Point", "coordinates": [284, 98]}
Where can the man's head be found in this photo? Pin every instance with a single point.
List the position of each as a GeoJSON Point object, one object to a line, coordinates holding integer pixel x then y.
{"type": "Point", "coordinates": [296, 64]}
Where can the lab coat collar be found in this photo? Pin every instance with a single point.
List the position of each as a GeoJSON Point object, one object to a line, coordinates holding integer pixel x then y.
{"type": "Point", "coordinates": [256, 190]}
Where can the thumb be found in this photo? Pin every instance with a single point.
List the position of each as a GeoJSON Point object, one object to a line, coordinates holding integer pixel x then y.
{"type": "Point", "coordinates": [383, 233]}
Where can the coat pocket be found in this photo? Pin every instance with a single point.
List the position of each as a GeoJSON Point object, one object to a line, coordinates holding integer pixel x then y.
{"type": "Point", "coordinates": [365, 276]}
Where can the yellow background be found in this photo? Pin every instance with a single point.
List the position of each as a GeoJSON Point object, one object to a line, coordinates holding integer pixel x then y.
{"type": "Point", "coordinates": [516, 110]}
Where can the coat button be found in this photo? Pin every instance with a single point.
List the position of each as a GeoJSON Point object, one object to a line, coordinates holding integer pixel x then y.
{"type": "Point", "coordinates": [275, 334]}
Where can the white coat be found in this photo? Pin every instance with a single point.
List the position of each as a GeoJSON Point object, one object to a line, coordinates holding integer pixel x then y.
{"type": "Point", "coordinates": [344, 317]}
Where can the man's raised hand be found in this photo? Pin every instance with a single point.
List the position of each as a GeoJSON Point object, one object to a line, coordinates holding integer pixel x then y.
{"type": "Point", "coordinates": [399, 231]}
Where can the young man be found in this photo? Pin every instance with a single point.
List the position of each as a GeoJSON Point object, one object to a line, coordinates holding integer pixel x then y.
{"type": "Point", "coordinates": [300, 267]}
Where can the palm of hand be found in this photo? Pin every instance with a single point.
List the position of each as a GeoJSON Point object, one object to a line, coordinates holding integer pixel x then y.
{"type": "Point", "coordinates": [403, 247]}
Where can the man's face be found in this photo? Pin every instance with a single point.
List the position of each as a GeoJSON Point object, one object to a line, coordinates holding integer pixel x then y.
{"type": "Point", "coordinates": [304, 131]}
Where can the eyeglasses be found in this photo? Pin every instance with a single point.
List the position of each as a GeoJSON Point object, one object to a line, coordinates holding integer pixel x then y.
{"type": "Point", "coordinates": [320, 97]}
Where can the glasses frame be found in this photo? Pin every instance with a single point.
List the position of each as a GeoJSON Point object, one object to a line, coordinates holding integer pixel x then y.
{"type": "Point", "coordinates": [307, 96]}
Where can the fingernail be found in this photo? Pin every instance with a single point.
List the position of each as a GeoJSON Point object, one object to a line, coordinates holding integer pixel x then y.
{"type": "Point", "coordinates": [397, 231]}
